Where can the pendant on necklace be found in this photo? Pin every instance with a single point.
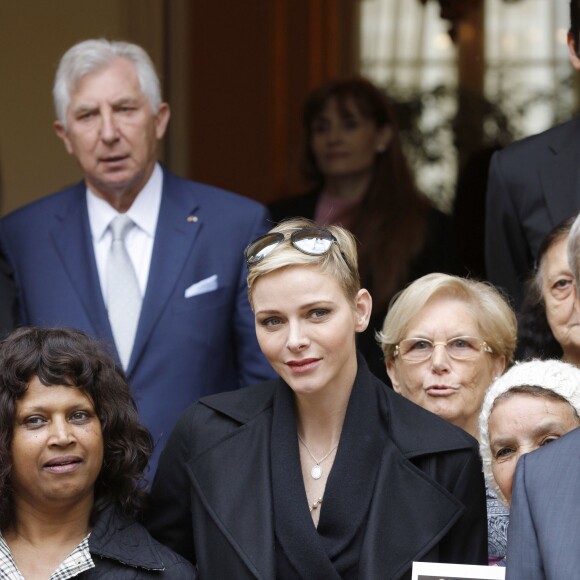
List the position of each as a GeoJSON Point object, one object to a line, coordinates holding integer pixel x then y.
{"type": "Point", "coordinates": [316, 472]}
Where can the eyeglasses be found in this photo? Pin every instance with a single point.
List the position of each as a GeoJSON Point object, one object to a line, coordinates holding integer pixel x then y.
{"type": "Point", "coordinates": [459, 348]}
{"type": "Point", "coordinates": [311, 241]}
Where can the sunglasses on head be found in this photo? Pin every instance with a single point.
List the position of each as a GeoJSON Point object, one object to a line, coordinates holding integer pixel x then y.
{"type": "Point", "coordinates": [311, 241]}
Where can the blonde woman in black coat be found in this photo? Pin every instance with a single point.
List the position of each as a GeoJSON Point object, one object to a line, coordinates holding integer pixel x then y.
{"type": "Point", "coordinates": [324, 472]}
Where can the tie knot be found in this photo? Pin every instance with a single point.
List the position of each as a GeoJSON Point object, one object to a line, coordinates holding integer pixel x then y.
{"type": "Point", "coordinates": [120, 226]}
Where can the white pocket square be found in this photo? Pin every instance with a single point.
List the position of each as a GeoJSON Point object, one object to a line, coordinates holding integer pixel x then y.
{"type": "Point", "coordinates": [208, 285]}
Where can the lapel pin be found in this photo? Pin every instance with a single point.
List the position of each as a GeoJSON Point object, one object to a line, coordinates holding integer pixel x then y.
{"type": "Point", "coordinates": [192, 218]}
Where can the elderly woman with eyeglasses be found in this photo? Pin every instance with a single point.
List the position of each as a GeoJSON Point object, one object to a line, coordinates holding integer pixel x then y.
{"type": "Point", "coordinates": [445, 339]}
{"type": "Point", "coordinates": [324, 472]}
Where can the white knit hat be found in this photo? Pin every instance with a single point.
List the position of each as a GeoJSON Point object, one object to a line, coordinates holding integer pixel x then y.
{"type": "Point", "coordinates": [554, 375]}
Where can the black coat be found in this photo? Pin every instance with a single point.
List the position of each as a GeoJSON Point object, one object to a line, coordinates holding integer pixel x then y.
{"type": "Point", "coordinates": [122, 549]}
{"type": "Point", "coordinates": [212, 499]}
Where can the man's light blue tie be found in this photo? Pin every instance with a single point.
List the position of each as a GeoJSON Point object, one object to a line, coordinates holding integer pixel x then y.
{"type": "Point", "coordinates": [123, 294]}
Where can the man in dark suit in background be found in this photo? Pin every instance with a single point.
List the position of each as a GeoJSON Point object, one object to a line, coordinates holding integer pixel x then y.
{"type": "Point", "coordinates": [147, 261]}
{"type": "Point", "coordinates": [534, 184]}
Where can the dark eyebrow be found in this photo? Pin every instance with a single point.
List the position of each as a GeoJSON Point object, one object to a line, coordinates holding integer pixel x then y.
{"type": "Point", "coordinates": [315, 304]}
{"type": "Point", "coordinates": [268, 312]}
{"type": "Point", "coordinates": [318, 303]}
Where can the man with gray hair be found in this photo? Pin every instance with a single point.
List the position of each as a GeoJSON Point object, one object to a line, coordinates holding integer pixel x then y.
{"type": "Point", "coordinates": [134, 255]}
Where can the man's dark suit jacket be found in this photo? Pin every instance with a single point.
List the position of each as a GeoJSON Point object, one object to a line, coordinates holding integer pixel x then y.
{"type": "Point", "coordinates": [534, 185]}
{"type": "Point", "coordinates": [405, 485]}
{"type": "Point", "coordinates": [185, 348]}
{"type": "Point", "coordinates": [544, 530]}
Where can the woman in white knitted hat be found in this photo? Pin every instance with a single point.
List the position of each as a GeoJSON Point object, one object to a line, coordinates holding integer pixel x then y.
{"type": "Point", "coordinates": [532, 404]}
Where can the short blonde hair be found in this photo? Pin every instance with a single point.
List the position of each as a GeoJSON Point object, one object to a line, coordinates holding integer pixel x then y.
{"type": "Point", "coordinates": [341, 261]}
{"type": "Point", "coordinates": [494, 316]}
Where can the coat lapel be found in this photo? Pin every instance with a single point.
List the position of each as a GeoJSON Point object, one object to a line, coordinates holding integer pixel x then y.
{"type": "Point", "coordinates": [351, 483]}
{"type": "Point", "coordinates": [425, 512]}
{"type": "Point", "coordinates": [72, 238]}
{"type": "Point", "coordinates": [560, 175]}
{"type": "Point", "coordinates": [174, 240]}
{"type": "Point", "coordinates": [224, 477]}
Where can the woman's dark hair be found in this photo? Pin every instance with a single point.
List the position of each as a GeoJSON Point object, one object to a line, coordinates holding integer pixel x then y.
{"type": "Point", "coordinates": [390, 221]}
{"type": "Point", "coordinates": [535, 337]}
{"type": "Point", "coordinates": [60, 356]}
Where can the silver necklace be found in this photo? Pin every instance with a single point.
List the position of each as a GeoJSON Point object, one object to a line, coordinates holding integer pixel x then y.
{"type": "Point", "coordinates": [316, 471]}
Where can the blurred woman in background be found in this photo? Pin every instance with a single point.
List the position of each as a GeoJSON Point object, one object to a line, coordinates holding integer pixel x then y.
{"type": "Point", "coordinates": [361, 180]}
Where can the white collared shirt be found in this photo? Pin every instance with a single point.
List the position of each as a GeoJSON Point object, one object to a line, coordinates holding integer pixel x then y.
{"type": "Point", "coordinates": [139, 242]}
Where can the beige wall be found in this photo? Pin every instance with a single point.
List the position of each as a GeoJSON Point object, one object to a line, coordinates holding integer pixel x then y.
{"type": "Point", "coordinates": [33, 36]}
{"type": "Point", "coordinates": [251, 66]}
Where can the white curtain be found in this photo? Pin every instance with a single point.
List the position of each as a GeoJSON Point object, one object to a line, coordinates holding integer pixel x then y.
{"type": "Point", "coordinates": [405, 48]}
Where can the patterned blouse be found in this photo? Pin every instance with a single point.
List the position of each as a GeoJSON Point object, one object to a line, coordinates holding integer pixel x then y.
{"type": "Point", "coordinates": [497, 525]}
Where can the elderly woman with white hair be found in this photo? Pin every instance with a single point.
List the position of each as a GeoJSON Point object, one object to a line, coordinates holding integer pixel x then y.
{"type": "Point", "coordinates": [475, 326]}
{"type": "Point", "coordinates": [445, 339]}
{"type": "Point", "coordinates": [531, 405]}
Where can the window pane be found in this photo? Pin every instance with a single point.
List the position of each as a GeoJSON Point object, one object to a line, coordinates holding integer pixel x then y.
{"type": "Point", "coordinates": [405, 48]}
